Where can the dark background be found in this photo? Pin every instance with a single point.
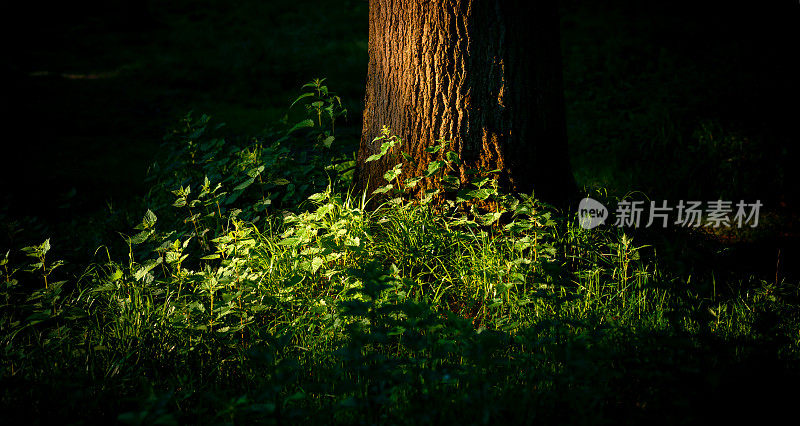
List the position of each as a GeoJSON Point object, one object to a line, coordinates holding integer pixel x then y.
{"type": "Point", "coordinates": [679, 100]}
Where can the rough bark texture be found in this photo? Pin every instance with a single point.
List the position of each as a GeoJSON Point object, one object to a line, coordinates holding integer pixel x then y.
{"type": "Point", "coordinates": [485, 74]}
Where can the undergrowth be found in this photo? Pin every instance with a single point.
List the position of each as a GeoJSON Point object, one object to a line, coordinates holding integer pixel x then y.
{"type": "Point", "coordinates": [257, 288]}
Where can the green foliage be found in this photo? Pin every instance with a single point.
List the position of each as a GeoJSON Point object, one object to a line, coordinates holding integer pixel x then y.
{"type": "Point", "coordinates": [256, 288]}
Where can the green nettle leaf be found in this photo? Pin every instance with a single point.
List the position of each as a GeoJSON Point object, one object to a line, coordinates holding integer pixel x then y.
{"type": "Point", "coordinates": [434, 167]}
{"type": "Point", "coordinates": [384, 149]}
{"type": "Point", "coordinates": [149, 219]}
{"type": "Point", "coordinates": [302, 125]}
{"type": "Point", "coordinates": [453, 157]}
{"type": "Point", "coordinates": [328, 141]}
{"type": "Point", "coordinates": [244, 184]}
{"type": "Point", "coordinates": [147, 267]}
{"type": "Point", "coordinates": [319, 196]}
{"type": "Point", "coordinates": [186, 191]}
{"type": "Point", "coordinates": [384, 189]}
{"type": "Point", "coordinates": [412, 182]}
{"type": "Point", "coordinates": [434, 149]}
{"type": "Point", "coordinates": [524, 209]}
{"type": "Point", "coordinates": [291, 241]}
{"type": "Point", "coordinates": [394, 172]}
{"type": "Point", "coordinates": [451, 181]}
{"type": "Point", "coordinates": [489, 218]}
{"type": "Point", "coordinates": [172, 257]}
{"type": "Point", "coordinates": [280, 181]}
{"type": "Point", "coordinates": [316, 263]}
{"type": "Point", "coordinates": [428, 195]}
{"type": "Point", "coordinates": [142, 236]}
{"type": "Point", "coordinates": [312, 251]}
{"type": "Point", "coordinates": [255, 171]}
{"type": "Point", "coordinates": [301, 97]}
{"type": "Point", "coordinates": [480, 182]}
{"type": "Point", "coordinates": [37, 251]}
{"type": "Point", "coordinates": [480, 194]}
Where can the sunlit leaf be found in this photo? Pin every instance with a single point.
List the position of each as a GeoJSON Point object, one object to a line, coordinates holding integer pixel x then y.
{"type": "Point", "coordinates": [384, 189]}
{"type": "Point", "coordinates": [301, 97]}
{"type": "Point", "coordinates": [244, 184]}
{"type": "Point", "coordinates": [291, 241]}
{"type": "Point", "coordinates": [147, 267]}
{"type": "Point", "coordinates": [302, 125]}
{"type": "Point", "coordinates": [149, 219]}
{"type": "Point", "coordinates": [394, 172]}
{"type": "Point", "coordinates": [142, 236]}
{"type": "Point", "coordinates": [480, 194]}
{"type": "Point", "coordinates": [316, 263]}
{"type": "Point", "coordinates": [452, 156]}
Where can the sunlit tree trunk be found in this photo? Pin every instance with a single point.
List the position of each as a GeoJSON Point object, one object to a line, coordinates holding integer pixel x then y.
{"type": "Point", "coordinates": [484, 74]}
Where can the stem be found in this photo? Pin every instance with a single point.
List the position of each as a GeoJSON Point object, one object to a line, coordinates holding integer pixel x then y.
{"type": "Point", "coordinates": [44, 271]}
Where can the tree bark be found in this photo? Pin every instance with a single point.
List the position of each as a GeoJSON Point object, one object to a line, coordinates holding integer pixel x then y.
{"type": "Point", "coordinates": [484, 74]}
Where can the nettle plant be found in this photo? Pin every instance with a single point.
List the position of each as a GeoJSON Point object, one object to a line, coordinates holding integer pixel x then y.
{"type": "Point", "coordinates": [479, 195]}
{"type": "Point", "coordinates": [325, 105]}
{"type": "Point", "coordinates": [203, 180]}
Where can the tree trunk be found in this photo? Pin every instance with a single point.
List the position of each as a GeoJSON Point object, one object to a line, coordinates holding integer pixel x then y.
{"type": "Point", "coordinates": [484, 74]}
